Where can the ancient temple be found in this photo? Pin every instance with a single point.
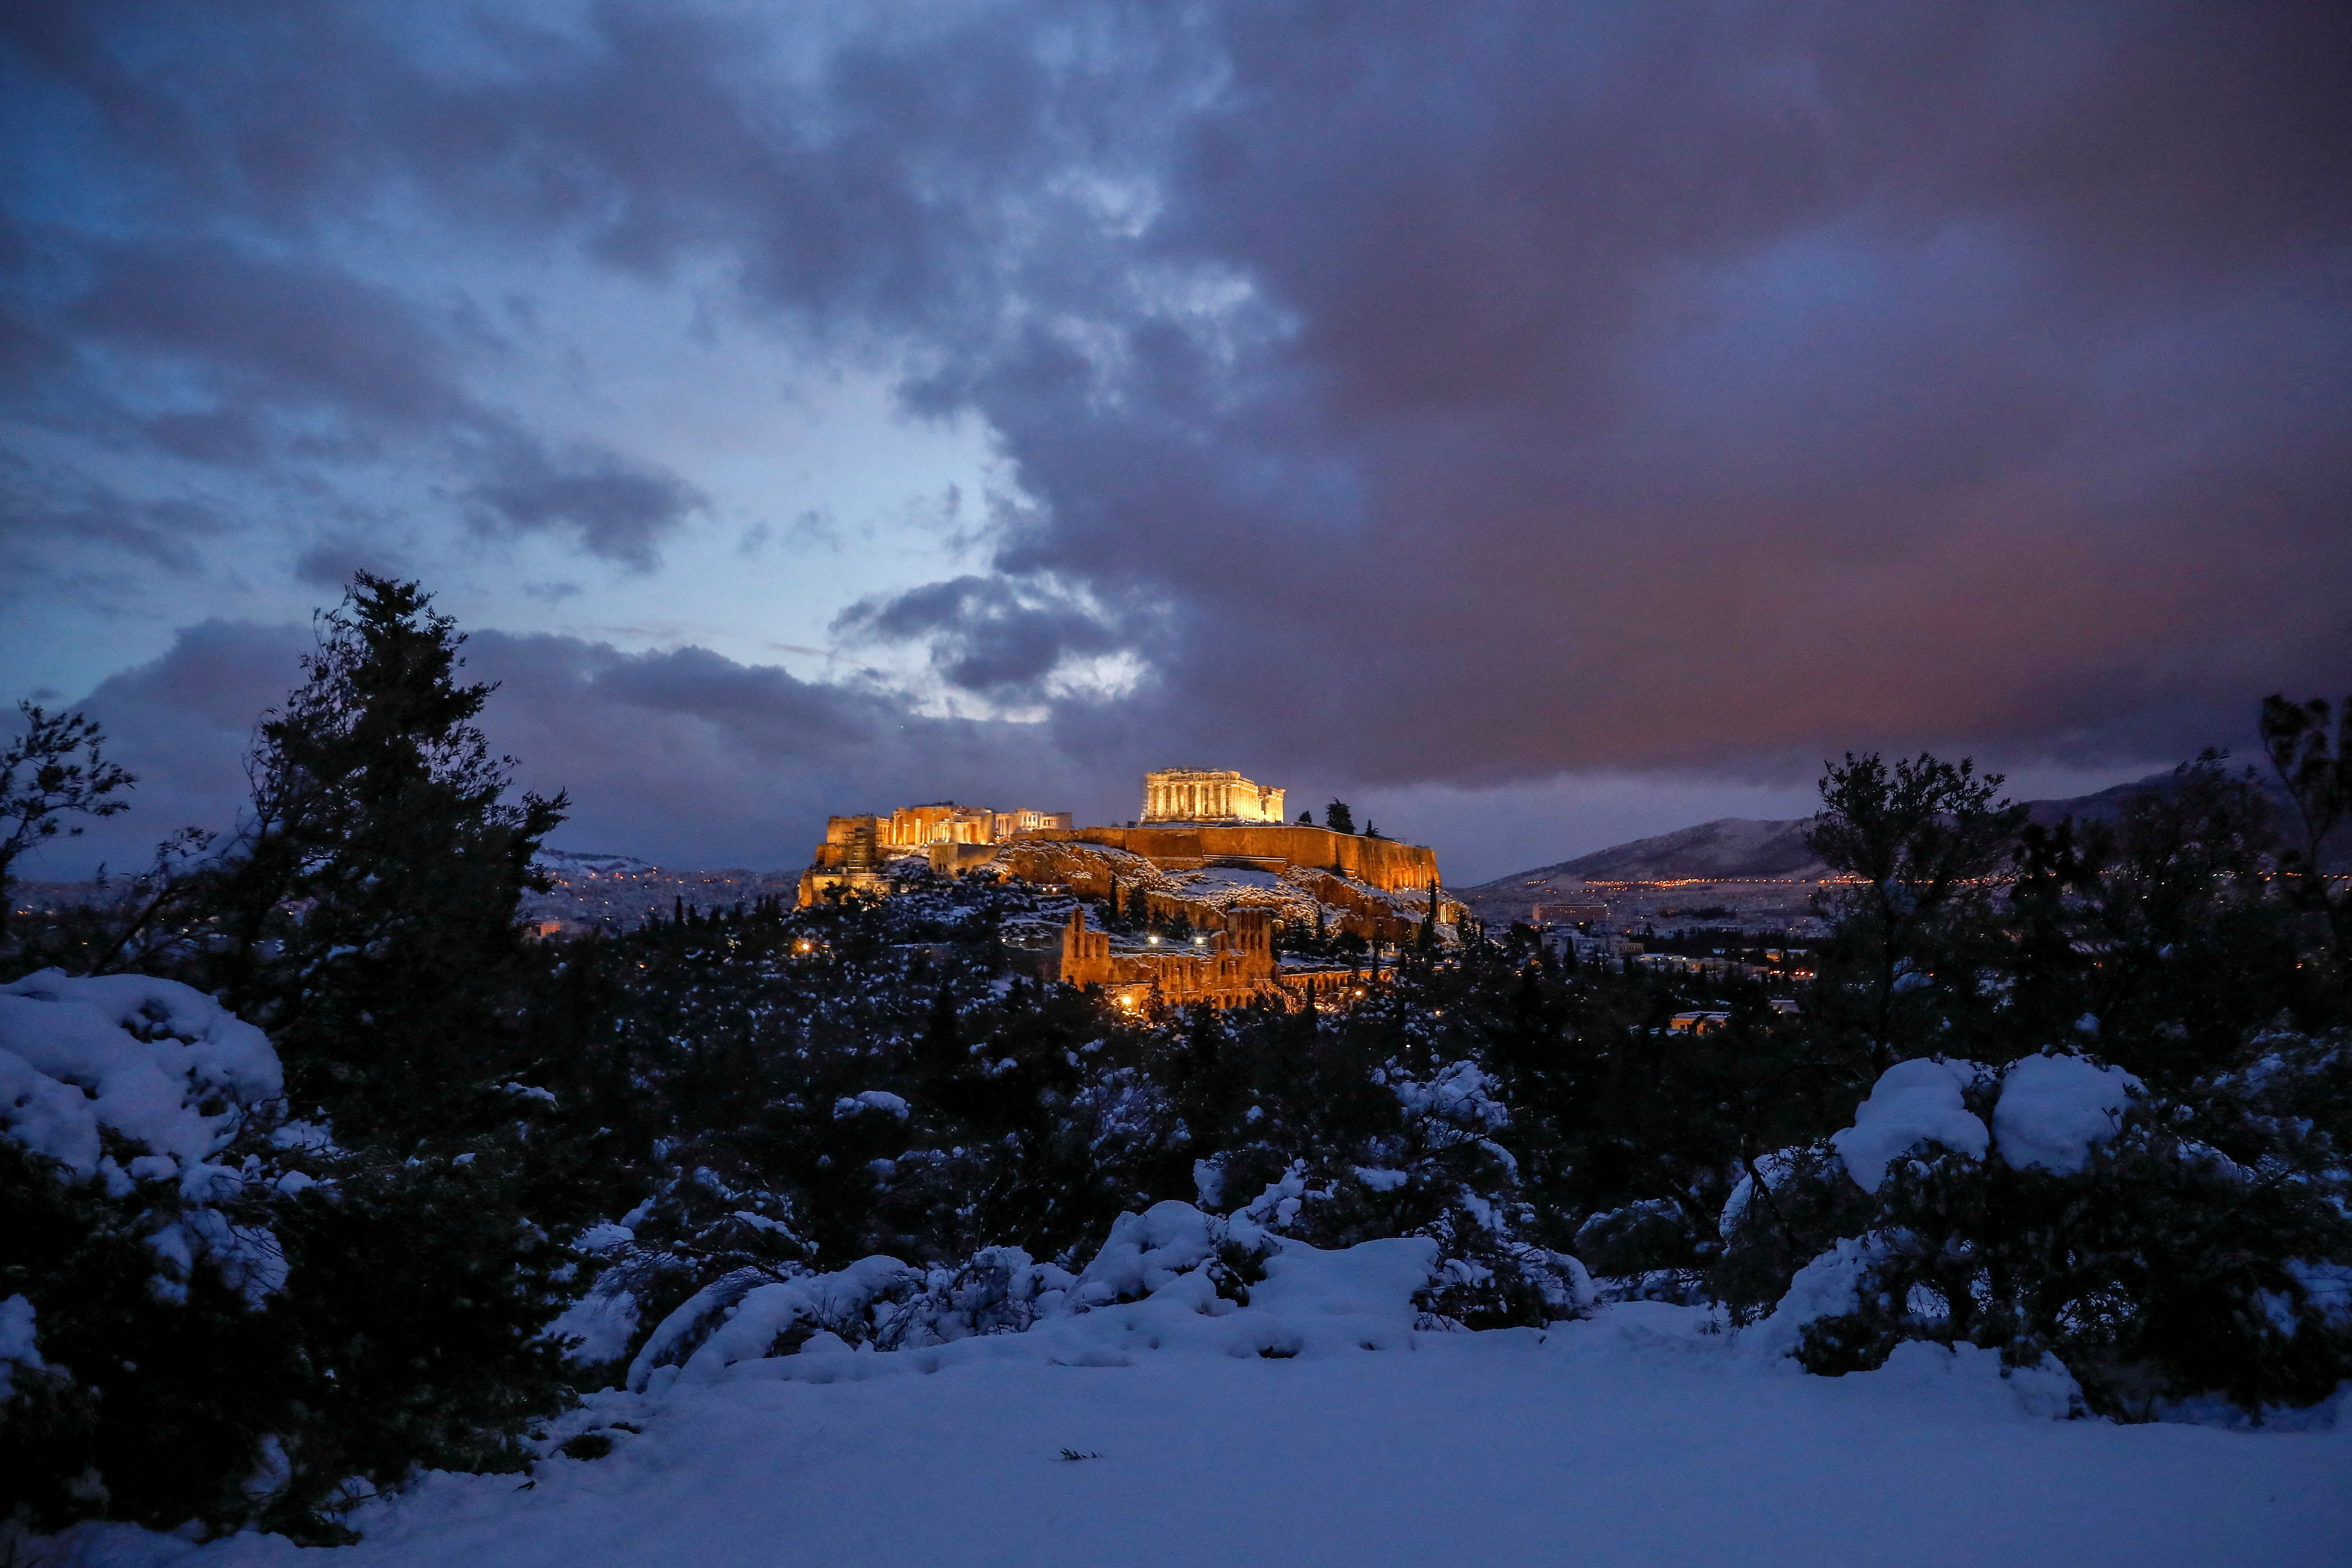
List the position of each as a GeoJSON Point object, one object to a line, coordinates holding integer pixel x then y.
{"type": "Point", "coordinates": [1194, 795]}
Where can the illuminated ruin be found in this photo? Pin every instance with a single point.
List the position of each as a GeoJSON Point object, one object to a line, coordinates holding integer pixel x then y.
{"type": "Point", "coordinates": [1196, 795]}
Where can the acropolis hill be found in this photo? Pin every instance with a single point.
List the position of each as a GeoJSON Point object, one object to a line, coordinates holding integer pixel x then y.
{"type": "Point", "coordinates": [1205, 846]}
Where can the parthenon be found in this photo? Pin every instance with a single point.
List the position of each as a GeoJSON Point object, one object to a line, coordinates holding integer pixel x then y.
{"type": "Point", "coordinates": [1193, 795]}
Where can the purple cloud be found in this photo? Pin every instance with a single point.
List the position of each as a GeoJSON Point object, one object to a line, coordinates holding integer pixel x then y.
{"type": "Point", "coordinates": [1472, 393]}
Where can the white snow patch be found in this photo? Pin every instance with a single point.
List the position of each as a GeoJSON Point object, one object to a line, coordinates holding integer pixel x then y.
{"type": "Point", "coordinates": [2053, 1108]}
{"type": "Point", "coordinates": [1912, 1103]}
{"type": "Point", "coordinates": [1315, 1426]}
{"type": "Point", "coordinates": [1827, 1286]}
{"type": "Point", "coordinates": [19, 1346]}
{"type": "Point", "coordinates": [152, 1060]}
{"type": "Point", "coordinates": [1642, 1435]}
{"type": "Point", "coordinates": [603, 1321]}
{"type": "Point", "coordinates": [155, 1062]}
{"type": "Point", "coordinates": [1776, 1167]}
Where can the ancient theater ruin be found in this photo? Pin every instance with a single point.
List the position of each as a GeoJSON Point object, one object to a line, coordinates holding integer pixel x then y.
{"type": "Point", "coordinates": [1229, 968]}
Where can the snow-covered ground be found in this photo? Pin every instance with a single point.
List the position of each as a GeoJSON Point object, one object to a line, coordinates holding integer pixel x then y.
{"type": "Point", "coordinates": [1630, 1437]}
{"type": "Point", "coordinates": [1207, 1391]}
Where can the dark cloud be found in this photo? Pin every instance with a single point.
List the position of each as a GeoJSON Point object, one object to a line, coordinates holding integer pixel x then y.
{"type": "Point", "coordinates": [988, 635]}
{"type": "Point", "coordinates": [39, 507]}
{"type": "Point", "coordinates": [181, 724]}
{"type": "Point", "coordinates": [300, 329]}
{"type": "Point", "coordinates": [332, 562]}
{"type": "Point", "coordinates": [1473, 393]}
{"type": "Point", "coordinates": [300, 359]}
{"type": "Point", "coordinates": [683, 756]}
{"type": "Point", "coordinates": [616, 509]}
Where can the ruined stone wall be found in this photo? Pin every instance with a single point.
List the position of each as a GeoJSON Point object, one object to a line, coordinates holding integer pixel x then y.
{"type": "Point", "coordinates": [1384, 864]}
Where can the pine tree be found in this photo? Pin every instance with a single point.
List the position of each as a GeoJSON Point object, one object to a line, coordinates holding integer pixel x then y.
{"type": "Point", "coordinates": [57, 766]}
{"type": "Point", "coordinates": [369, 898]}
{"type": "Point", "coordinates": [2317, 778]}
{"type": "Point", "coordinates": [1920, 838]}
{"type": "Point", "coordinates": [1338, 819]}
{"type": "Point", "coordinates": [939, 1056]}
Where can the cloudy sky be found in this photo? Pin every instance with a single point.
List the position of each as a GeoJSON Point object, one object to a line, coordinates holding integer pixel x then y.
{"type": "Point", "coordinates": [1537, 424]}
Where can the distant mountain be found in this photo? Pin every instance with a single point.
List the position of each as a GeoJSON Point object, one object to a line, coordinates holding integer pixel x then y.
{"type": "Point", "coordinates": [1729, 848]}
{"type": "Point", "coordinates": [576, 863]}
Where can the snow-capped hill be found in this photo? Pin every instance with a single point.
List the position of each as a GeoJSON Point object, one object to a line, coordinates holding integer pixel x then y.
{"type": "Point", "coordinates": [567, 864]}
{"type": "Point", "coordinates": [1727, 847]}
{"type": "Point", "coordinates": [1742, 849]}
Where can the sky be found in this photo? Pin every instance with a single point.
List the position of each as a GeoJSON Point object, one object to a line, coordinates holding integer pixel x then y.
{"type": "Point", "coordinates": [1537, 425]}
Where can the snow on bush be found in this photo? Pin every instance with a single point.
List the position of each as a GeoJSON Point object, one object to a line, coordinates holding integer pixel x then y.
{"type": "Point", "coordinates": [1912, 1103]}
{"type": "Point", "coordinates": [1776, 1167]}
{"type": "Point", "coordinates": [19, 1346]}
{"type": "Point", "coordinates": [1169, 1275]}
{"type": "Point", "coordinates": [154, 1060]}
{"type": "Point", "coordinates": [600, 1325]}
{"type": "Point", "coordinates": [2053, 1108]}
{"type": "Point", "coordinates": [148, 1064]}
{"type": "Point", "coordinates": [2050, 1109]}
{"type": "Point", "coordinates": [2043, 1391]}
{"type": "Point", "coordinates": [749, 1314]}
{"type": "Point", "coordinates": [742, 1316]}
{"type": "Point", "coordinates": [1460, 1097]}
{"type": "Point", "coordinates": [1148, 1251]}
{"type": "Point", "coordinates": [1830, 1286]}
{"type": "Point", "coordinates": [2110, 1231]}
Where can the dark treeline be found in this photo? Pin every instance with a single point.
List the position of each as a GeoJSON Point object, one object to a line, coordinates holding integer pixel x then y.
{"type": "Point", "coordinates": [496, 1127]}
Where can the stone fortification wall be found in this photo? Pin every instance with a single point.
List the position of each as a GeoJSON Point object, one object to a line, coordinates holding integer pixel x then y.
{"type": "Point", "coordinates": [1383, 864]}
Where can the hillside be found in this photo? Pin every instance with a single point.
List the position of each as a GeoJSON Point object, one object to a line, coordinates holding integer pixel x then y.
{"type": "Point", "coordinates": [1727, 847]}
{"type": "Point", "coordinates": [1732, 848]}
